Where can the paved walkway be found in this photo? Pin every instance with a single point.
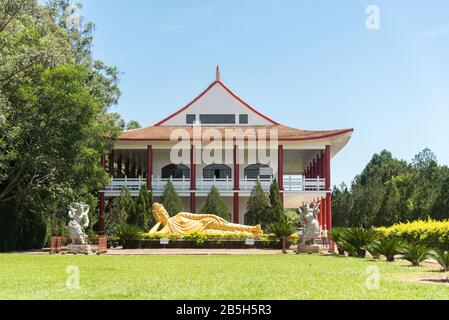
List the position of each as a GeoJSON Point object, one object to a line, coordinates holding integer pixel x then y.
{"type": "Point", "coordinates": [144, 252]}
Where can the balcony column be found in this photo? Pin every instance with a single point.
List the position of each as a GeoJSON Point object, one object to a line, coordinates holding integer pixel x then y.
{"type": "Point", "coordinates": [192, 168]}
{"type": "Point", "coordinates": [149, 167]}
{"type": "Point", "coordinates": [111, 164]}
{"type": "Point", "coordinates": [236, 208]}
{"type": "Point", "coordinates": [236, 168]}
{"type": "Point", "coordinates": [281, 168]}
{"type": "Point", "coordinates": [327, 156]}
{"type": "Point", "coordinates": [192, 179]}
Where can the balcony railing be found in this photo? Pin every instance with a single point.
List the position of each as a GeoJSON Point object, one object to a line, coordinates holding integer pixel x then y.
{"type": "Point", "coordinates": [291, 183]}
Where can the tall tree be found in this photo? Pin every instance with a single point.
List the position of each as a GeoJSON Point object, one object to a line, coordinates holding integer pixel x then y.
{"type": "Point", "coordinates": [258, 207]}
{"type": "Point", "coordinates": [171, 200]}
{"type": "Point", "coordinates": [54, 100]}
{"type": "Point", "coordinates": [215, 204]}
{"type": "Point", "coordinates": [277, 208]}
{"type": "Point", "coordinates": [142, 217]}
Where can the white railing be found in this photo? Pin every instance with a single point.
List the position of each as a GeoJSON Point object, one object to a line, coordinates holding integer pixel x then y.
{"type": "Point", "coordinates": [291, 183]}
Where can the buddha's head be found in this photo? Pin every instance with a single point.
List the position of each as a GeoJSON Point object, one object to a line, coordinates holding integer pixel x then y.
{"type": "Point", "coordinates": [159, 213]}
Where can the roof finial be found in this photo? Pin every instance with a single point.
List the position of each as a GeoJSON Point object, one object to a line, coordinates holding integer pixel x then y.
{"type": "Point", "coordinates": [218, 73]}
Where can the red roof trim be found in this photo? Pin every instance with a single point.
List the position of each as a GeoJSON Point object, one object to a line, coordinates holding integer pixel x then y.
{"type": "Point", "coordinates": [204, 92]}
{"type": "Point", "coordinates": [280, 139]}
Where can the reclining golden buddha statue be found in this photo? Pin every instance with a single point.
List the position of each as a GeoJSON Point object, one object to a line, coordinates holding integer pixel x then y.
{"type": "Point", "coordinates": [184, 223]}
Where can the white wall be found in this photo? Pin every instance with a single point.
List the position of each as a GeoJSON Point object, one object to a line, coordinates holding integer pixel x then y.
{"type": "Point", "coordinates": [217, 101]}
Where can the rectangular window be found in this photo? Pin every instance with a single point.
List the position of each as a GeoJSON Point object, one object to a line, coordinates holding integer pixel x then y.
{"type": "Point", "coordinates": [217, 118]}
{"type": "Point", "coordinates": [190, 118]}
{"type": "Point", "coordinates": [243, 119]}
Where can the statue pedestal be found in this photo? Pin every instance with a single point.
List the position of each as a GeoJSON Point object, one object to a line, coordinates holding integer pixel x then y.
{"type": "Point", "coordinates": [79, 249]}
{"type": "Point", "coordinates": [308, 249]}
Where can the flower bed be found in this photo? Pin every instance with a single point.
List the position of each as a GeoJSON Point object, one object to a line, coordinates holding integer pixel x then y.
{"type": "Point", "coordinates": [202, 240]}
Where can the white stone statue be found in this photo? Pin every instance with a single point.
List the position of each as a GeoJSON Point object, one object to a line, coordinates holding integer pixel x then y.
{"type": "Point", "coordinates": [79, 220]}
{"type": "Point", "coordinates": [308, 219]}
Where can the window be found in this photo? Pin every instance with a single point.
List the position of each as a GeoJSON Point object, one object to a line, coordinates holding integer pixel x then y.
{"type": "Point", "coordinates": [219, 171]}
{"type": "Point", "coordinates": [190, 118]}
{"type": "Point", "coordinates": [217, 118]}
{"type": "Point", "coordinates": [175, 171]}
{"type": "Point", "coordinates": [262, 171]}
{"type": "Point", "coordinates": [243, 119]}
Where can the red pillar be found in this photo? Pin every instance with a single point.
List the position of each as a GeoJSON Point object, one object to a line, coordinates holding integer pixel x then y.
{"type": "Point", "coordinates": [111, 163]}
{"type": "Point", "coordinates": [149, 167]}
{"type": "Point", "coordinates": [236, 168]}
{"type": "Point", "coordinates": [192, 202]}
{"type": "Point", "coordinates": [236, 207]}
{"type": "Point", "coordinates": [281, 167]}
{"type": "Point", "coordinates": [327, 156]}
{"type": "Point", "coordinates": [192, 168]}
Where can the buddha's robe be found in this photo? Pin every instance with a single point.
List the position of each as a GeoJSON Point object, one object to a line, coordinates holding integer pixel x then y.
{"type": "Point", "coordinates": [184, 223]}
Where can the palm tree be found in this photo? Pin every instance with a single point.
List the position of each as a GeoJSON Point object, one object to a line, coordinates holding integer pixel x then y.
{"type": "Point", "coordinates": [389, 247]}
{"type": "Point", "coordinates": [282, 229]}
{"type": "Point", "coordinates": [415, 253]}
{"type": "Point", "coordinates": [442, 257]}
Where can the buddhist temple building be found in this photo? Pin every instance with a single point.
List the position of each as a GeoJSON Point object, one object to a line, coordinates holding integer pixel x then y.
{"type": "Point", "coordinates": [220, 140]}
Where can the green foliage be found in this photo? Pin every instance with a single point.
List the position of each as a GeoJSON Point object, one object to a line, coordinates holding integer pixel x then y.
{"type": "Point", "coordinates": [117, 215]}
{"type": "Point", "coordinates": [373, 249]}
{"type": "Point", "coordinates": [215, 204]}
{"type": "Point", "coordinates": [283, 227]}
{"type": "Point", "coordinates": [434, 234]}
{"type": "Point", "coordinates": [133, 124]}
{"type": "Point", "coordinates": [198, 237]}
{"type": "Point", "coordinates": [442, 257]}
{"type": "Point", "coordinates": [415, 253]}
{"type": "Point", "coordinates": [389, 191]}
{"type": "Point", "coordinates": [389, 247]}
{"type": "Point", "coordinates": [54, 120]}
{"type": "Point", "coordinates": [357, 239]}
{"type": "Point", "coordinates": [127, 232]}
{"type": "Point", "coordinates": [142, 214]}
{"type": "Point", "coordinates": [171, 200]}
{"type": "Point", "coordinates": [277, 208]}
{"type": "Point", "coordinates": [258, 207]}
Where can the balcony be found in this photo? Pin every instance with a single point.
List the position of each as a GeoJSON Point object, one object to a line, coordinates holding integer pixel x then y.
{"type": "Point", "coordinates": [291, 184]}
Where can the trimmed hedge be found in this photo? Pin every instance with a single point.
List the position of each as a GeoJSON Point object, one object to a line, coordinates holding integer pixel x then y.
{"type": "Point", "coordinates": [432, 233]}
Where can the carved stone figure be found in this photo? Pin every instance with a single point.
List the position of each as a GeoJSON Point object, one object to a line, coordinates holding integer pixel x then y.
{"type": "Point", "coordinates": [79, 220]}
{"type": "Point", "coordinates": [307, 218]}
{"type": "Point", "coordinates": [184, 223]}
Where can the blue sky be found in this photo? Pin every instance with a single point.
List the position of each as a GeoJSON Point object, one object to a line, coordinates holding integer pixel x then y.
{"type": "Point", "coordinates": [307, 64]}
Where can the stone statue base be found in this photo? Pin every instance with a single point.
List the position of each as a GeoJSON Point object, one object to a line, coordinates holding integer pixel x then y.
{"type": "Point", "coordinates": [79, 249]}
{"type": "Point", "coordinates": [308, 249]}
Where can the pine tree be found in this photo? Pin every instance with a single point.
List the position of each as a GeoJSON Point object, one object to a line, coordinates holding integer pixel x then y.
{"type": "Point", "coordinates": [143, 204]}
{"type": "Point", "coordinates": [215, 204]}
{"type": "Point", "coordinates": [121, 209]}
{"type": "Point", "coordinates": [171, 200]}
{"type": "Point", "coordinates": [277, 208]}
{"type": "Point", "coordinates": [258, 207]}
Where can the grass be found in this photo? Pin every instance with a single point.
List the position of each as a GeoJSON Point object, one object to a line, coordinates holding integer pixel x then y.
{"type": "Point", "coordinates": [211, 277]}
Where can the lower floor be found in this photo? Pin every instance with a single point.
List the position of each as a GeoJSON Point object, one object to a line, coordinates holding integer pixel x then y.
{"type": "Point", "coordinates": [237, 204]}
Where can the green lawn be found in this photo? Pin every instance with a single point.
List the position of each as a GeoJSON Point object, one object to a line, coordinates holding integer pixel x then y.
{"type": "Point", "coordinates": [212, 277]}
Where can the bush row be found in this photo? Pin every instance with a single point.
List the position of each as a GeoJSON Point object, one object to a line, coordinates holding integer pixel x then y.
{"type": "Point", "coordinates": [432, 233]}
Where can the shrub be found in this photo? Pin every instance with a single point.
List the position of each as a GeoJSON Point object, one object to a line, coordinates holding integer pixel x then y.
{"type": "Point", "coordinates": [198, 237]}
{"type": "Point", "coordinates": [442, 257]}
{"type": "Point", "coordinates": [282, 229]}
{"type": "Point", "coordinates": [277, 208]}
{"type": "Point", "coordinates": [389, 247]}
{"type": "Point", "coordinates": [434, 234]}
{"type": "Point", "coordinates": [171, 200]}
{"type": "Point", "coordinates": [357, 239]}
{"type": "Point", "coordinates": [373, 249]}
{"type": "Point", "coordinates": [258, 207]}
{"type": "Point", "coordinates": [142, 216]}
{"type": "Point", "coordinates": [415, 253]}
{"type": "Point", "coordinates": [118, 212]}
{"type": "Point", "coordinates": [127, 232]}
{"type": "Point", "coordinates": [337, 236]}
{"type": "Point", "coordinates": [215, 204]}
